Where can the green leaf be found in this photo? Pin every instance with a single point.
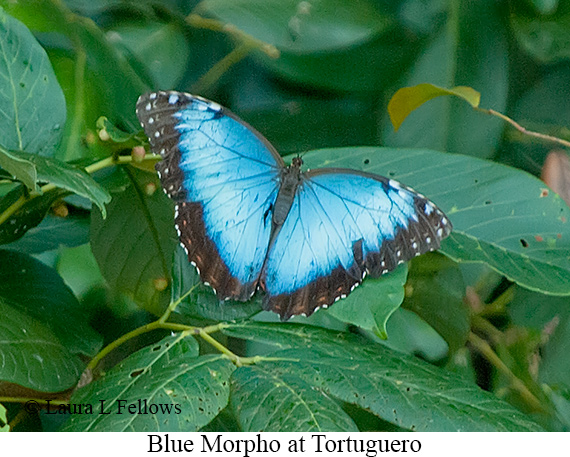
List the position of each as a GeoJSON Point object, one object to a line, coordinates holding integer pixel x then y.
{"type": "Point", "coordinates": [33, 356]}
{"type": "Point", "coordinates": [135, 244]}
{"type": "Point", "coordinates": [410, 334]}
{"type": "Point", "coordinates": [68, 177]}
{"type": "Point", "coordinates": [169, 375]}
{"type": "Point", "coordinates": [119, 85]}
{"type": "Point", "coordinates": [371, 304]}
{"type": "Point", "coordinates": [370, 66]}
{"type": "Point", "coordinates": [202, 302]}
{"type": "Point", "coordinates": [501, 216]}
{"type": "Point", "coordinates": [264, 401]}
{"type": "Point", "coordinates": [52, 233]}
{"type": "Point", "coordinates": [28, 216]}
{"type": "Point", "coordinates": [108, 74]}
{"type": "Point", "coordinates": [154, 44]}
{"type": "Point", "coordinates": [435, 291]}
{"type": "Point", "coordinates": [316, 121]}
{"type": "Point", "coordinates": [32, 103]}
{"type": "Point", "coordinates": [45, 299]}
{"type": "Point", "coordinates": [84, 106]}
{"type": "Point", "coordinates": [116, 135]}
{"type": "Point", "coordinates": [400, 389]}
{"type": "Point", "coordinates": [407, 99]}
{"type": "Point", "coordinates": [561, 401]}
{"type": "Point", "coordinates": [470, 50]}
{"type": "Point", "coordinates": [79, 269]}
{"type": "Point", "coordinates": [19, 168]}
{"type": "Point", "coordinates": [302, 27]}
{"type": "Point", "coordinates": [4, 427]}
{"type": "Point", "coordinates": [331, 44]}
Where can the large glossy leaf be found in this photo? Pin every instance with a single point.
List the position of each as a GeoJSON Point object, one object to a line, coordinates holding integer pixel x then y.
{"type": "Point", "coordinates": [32, 355]}
{"type": "Point", "coordinates": [117, 84]}
{"type": "Point", "coordinates": [398, 388]}
{"type": "Point", "coordinates": [268, 402]}
{"type": "Point", "coordinates": [32, 105]}
{"type": "Point", "coordinates": [471, 50]}
{"type": "Point", "coordinates": [38, 291]}
{"type": "Point", "coordinates": [135, 244]}
{"type": "Point", "coordinates": [501, 216]}
{"type": "Point", "coordinates": [187, 391]}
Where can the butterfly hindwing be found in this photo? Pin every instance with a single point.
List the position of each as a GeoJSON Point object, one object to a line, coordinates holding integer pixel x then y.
{"type": "Point", "coordinates": [224, 178]}
{"type": "Point", "coordinates": [344, 224]}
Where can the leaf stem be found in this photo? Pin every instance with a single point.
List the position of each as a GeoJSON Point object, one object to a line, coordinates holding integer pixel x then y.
{"type": "Point", "coordinates": [246, 44]}
{"type": "Point", "coordinates": [214, 74]}
{"type": "Point", "coordinates": [487, 351]}
{"type": "Point", "coordinates": [523, 130]}
{"type": "Point", "coordinates": [160, 324]}
{"type": "Point", "coordinates": [79, 108]}
{"type": "Point", "coordinates": [197, 21]}
{"type": "Point", "coordinates": [219, 346]}
{"type": "Point", "coordinates": [173, 305]}
{"type": "Point", "coordinates": [101, 164]}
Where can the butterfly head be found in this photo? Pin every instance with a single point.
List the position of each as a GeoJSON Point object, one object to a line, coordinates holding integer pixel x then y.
{"type": "Point", "coordinates": [297, 162]}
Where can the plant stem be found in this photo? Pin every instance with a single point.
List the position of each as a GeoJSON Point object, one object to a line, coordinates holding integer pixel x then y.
{"type": "Point", "coordinates": [101, 164]}
{"type": "Point", "coordinates": [173, 305]}
{"type": "Point", "coordinates": [219, 346]}
{"type": "Point", "coordinates": [246, 44]}
{"type": "Point", "coordinates": [156, 325]}
{"type": "Point", "coordinates": [486, 351]}
{"type": "Point", "coordinates": [213, 75]}
{"type": "Point", "coordinates": [521, 129]}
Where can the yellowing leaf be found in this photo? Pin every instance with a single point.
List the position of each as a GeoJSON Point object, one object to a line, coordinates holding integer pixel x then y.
{"type": "Point", "coordinates": [408, 99]}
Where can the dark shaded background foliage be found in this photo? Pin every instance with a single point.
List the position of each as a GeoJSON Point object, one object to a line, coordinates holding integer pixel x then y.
{"type": "Point", "coordinates": [307, 75]}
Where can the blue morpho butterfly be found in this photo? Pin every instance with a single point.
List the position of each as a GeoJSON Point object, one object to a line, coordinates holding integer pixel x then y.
{"type": "Point", "coordinates": [247, 221]}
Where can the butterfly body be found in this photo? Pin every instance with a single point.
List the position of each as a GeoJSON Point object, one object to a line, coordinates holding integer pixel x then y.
{"type": "Point", "coordinates": [249, 222]}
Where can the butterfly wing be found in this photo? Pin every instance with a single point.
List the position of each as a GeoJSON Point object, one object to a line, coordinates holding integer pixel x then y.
{"type": "Point", "coordinates": [224, 176]}
{"type": "Point", "coordinates": [344, 224]}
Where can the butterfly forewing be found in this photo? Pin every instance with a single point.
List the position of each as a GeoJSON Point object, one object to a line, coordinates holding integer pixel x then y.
{"type": "Point", "coordinates": [224, 178]}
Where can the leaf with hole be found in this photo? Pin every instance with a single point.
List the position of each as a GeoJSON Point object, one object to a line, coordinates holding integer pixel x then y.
{"type": "Point", "coordinates": [163, 387]}
{"type": "Point", "coordinates": [403, 390]}
{"type": "Point", "coordinates": [268, 402]}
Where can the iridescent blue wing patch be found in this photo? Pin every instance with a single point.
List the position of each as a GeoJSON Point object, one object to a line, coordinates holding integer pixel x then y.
{"type": "Point", "coordinates": [344, 224]}
{"type": "Point", "coordinates": [223, 176]}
